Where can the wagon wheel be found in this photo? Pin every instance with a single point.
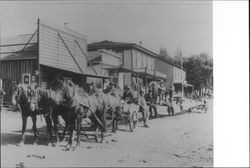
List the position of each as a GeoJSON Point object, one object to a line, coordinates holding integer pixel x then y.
{"type": "Point", "coordinates": [98, 135]}
{"type": "Point", "coordinates": [133, 121]}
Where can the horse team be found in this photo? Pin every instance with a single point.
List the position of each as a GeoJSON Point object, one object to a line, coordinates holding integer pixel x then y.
{"type": "Point", "coordinates": [73, 103]}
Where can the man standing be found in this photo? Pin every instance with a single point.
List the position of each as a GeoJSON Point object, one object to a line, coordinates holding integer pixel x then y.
{"type": "Point", "coordinates": [143, 108]}
{"type": "Point", "coordinates": [33, 83]}
{"type": "Point", "coordinates": [150, 103]}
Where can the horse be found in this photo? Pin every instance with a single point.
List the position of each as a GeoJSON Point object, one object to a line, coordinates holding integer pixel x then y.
{"type": "Point", "coordinates": [112, 99]}
{"type": "Point", "coordinates": [21, 100]}
{"type": "Point", "coordinates": [82, 105]}
{"type": "Point", "coordinates": [49, 103]}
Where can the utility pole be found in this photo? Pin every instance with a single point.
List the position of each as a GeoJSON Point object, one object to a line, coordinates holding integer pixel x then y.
{"type": "Point", "coordinates": [182, 88]}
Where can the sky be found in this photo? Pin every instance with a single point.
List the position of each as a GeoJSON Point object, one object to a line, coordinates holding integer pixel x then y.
{"type": "Point", "coordinates": [157, 24]}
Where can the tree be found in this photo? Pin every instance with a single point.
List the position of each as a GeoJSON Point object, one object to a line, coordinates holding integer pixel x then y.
{"type": "Point", "coordinates": [164, 55]}
{"type": "Point", "coordinates": [199, 70]}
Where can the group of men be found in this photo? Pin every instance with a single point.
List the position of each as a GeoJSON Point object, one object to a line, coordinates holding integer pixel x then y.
{"type": "Point", "coordinates": [145, 100]}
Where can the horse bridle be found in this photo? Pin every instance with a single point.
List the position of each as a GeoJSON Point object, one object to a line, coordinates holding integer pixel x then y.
{"type": "Point", "coordinates": [16, 87]}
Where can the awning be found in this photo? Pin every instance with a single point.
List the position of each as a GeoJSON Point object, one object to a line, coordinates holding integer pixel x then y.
{"type": "Point", "coordinates": [119, 69]}
{"type": "Point", "coordinates": [88, 73]}
{"type": "Point", "coordinates": [184, 84]}
{"type": "Point", "coordinates": [160, 75]}
{"type": "Point", "coordinates": [150, 73]}
{"type": "Point", "coordinates": [188, 85]}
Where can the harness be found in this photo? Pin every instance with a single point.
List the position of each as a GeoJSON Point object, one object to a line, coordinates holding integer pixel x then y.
{"type": "Point", "coordinates": [96, 117]}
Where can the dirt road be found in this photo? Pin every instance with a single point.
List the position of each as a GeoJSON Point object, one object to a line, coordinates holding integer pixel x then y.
{"type": "Point", "coordinates": [181, 140]}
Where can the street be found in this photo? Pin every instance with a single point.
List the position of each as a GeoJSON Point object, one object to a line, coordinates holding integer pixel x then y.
{"type": "Point", "coordinates": [185, 139]}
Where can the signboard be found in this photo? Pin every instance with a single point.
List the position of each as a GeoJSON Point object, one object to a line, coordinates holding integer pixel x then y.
{"type": "Point", "coordinates": [26, 78]}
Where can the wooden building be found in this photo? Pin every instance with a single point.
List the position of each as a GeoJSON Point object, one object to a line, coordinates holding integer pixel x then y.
{"type": "Point", "coordinates": [176, 76]}
{"type": "Point", "coordinates": [137, 63]}
{"type": "Point", "coordinates": [104, 61]}
{"type": "Point", "coordinates": [49, 52]}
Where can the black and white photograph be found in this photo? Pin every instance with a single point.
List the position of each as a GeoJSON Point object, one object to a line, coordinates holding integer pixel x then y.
{"type": "Point", "coordinates": [107, 83]}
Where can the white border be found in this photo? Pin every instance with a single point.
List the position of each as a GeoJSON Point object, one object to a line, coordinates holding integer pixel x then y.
{"type": "Point", "coordinates": [231, 83]}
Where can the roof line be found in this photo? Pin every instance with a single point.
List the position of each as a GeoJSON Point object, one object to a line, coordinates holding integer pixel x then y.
{"type": "Point", "coordinates": [134, 45]}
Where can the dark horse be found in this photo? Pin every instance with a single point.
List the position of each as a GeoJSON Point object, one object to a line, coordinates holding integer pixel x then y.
{"type": "Point", "coordinates": [21, 98]}
{"type": "Point", "coordinates": [49, 103]}
{"type": "Point", "coordinates": [82, 105]}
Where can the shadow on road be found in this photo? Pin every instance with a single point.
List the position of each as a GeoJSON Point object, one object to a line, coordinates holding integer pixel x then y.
{"type": "Point", "coordinates": [14, 138]}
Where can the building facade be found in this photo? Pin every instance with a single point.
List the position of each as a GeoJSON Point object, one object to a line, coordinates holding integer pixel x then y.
{"type": "Point", "coordinates": [137, 68]}
{"type": "Point", "coordinates": [176, 76]}
{"type": "Point", "coordinates": [48, 53]}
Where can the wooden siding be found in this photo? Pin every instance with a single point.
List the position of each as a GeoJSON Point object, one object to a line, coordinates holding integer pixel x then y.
{"type": "Point", "coordinates": [53, 52]}
{"type": "Point", "coordinates": [110, 60]}
{"type": "Point", "coordinates": [14, 69]}
{"type": "Point", "coordinates": [167, 69]}
{"type": "Point", "coordinates": [141, 60]}
{"type": "Point", "coordinates": [179, 75]}
{"type": "Point", "coordinates": [11, 71]}
{"type": "Point", "coordinates": [127, 58]}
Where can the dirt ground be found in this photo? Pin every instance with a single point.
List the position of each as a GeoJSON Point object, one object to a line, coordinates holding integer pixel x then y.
{"type": "Point", "coordinates": [180, 140]}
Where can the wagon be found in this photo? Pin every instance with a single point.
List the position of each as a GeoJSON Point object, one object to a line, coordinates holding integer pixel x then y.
{"type": "Point", "coordinates": [88, 130]}
{"type": "Point", "coordinates": [129, 113]}
{"type": "Point", "coordinates": [202, 106]}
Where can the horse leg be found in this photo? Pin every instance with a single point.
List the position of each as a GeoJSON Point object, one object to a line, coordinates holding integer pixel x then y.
{"type": "Point", "coordinates": [49, 128]}
{"type": "Point", "coordinates": [104, 121]}
{"type": "Point", "coordinates": [67, 125]}
{"type": "Point", "coordinates": [55, 122]}
{"type": "Point", "coordinates": [79, 121]}
{"type": "Point", "coordinates": [113, 122]}
{"type": "Point", "coordinates": [24, 119]}
{"type": "Point", "coordinates": [71, 133]}
{"type": "Point", "coordinates": [34, 128]}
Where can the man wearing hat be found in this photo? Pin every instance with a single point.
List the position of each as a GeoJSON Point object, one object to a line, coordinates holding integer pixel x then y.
{"type": "Point", "coordinates": [128, 93]}
{"type": "Point", "coordinates": [143, 108]}
{"type": "Point", "coordinates": [149, 100]}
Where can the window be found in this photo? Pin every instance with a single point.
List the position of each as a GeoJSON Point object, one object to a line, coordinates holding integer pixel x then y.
{"type": "Point", "coordinates": [144, 61]}
{"type": "Point", "coordinates": [139, 61]}
{"type": "Point", "coordinates": [149, 64]}
{"type": "Point", "coordinates": [153, 64]}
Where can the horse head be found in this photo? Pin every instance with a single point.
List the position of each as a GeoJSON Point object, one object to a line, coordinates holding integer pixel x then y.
{"type": "Point", "coordinates": [69, 91]}
{"type": "Point", "coordinates": [16, 94]}
{"type": "Point", "coordinates": [20, 95]}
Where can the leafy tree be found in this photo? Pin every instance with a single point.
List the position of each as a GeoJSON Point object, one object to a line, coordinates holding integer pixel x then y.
{"type": "Point", "coordinates": [199, 70]}
{"type": "Point", "coordinates": [164, 55]}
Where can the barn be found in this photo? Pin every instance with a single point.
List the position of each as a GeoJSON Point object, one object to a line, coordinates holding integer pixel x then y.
{"type": "Point", "coordinates": [49, 52]}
